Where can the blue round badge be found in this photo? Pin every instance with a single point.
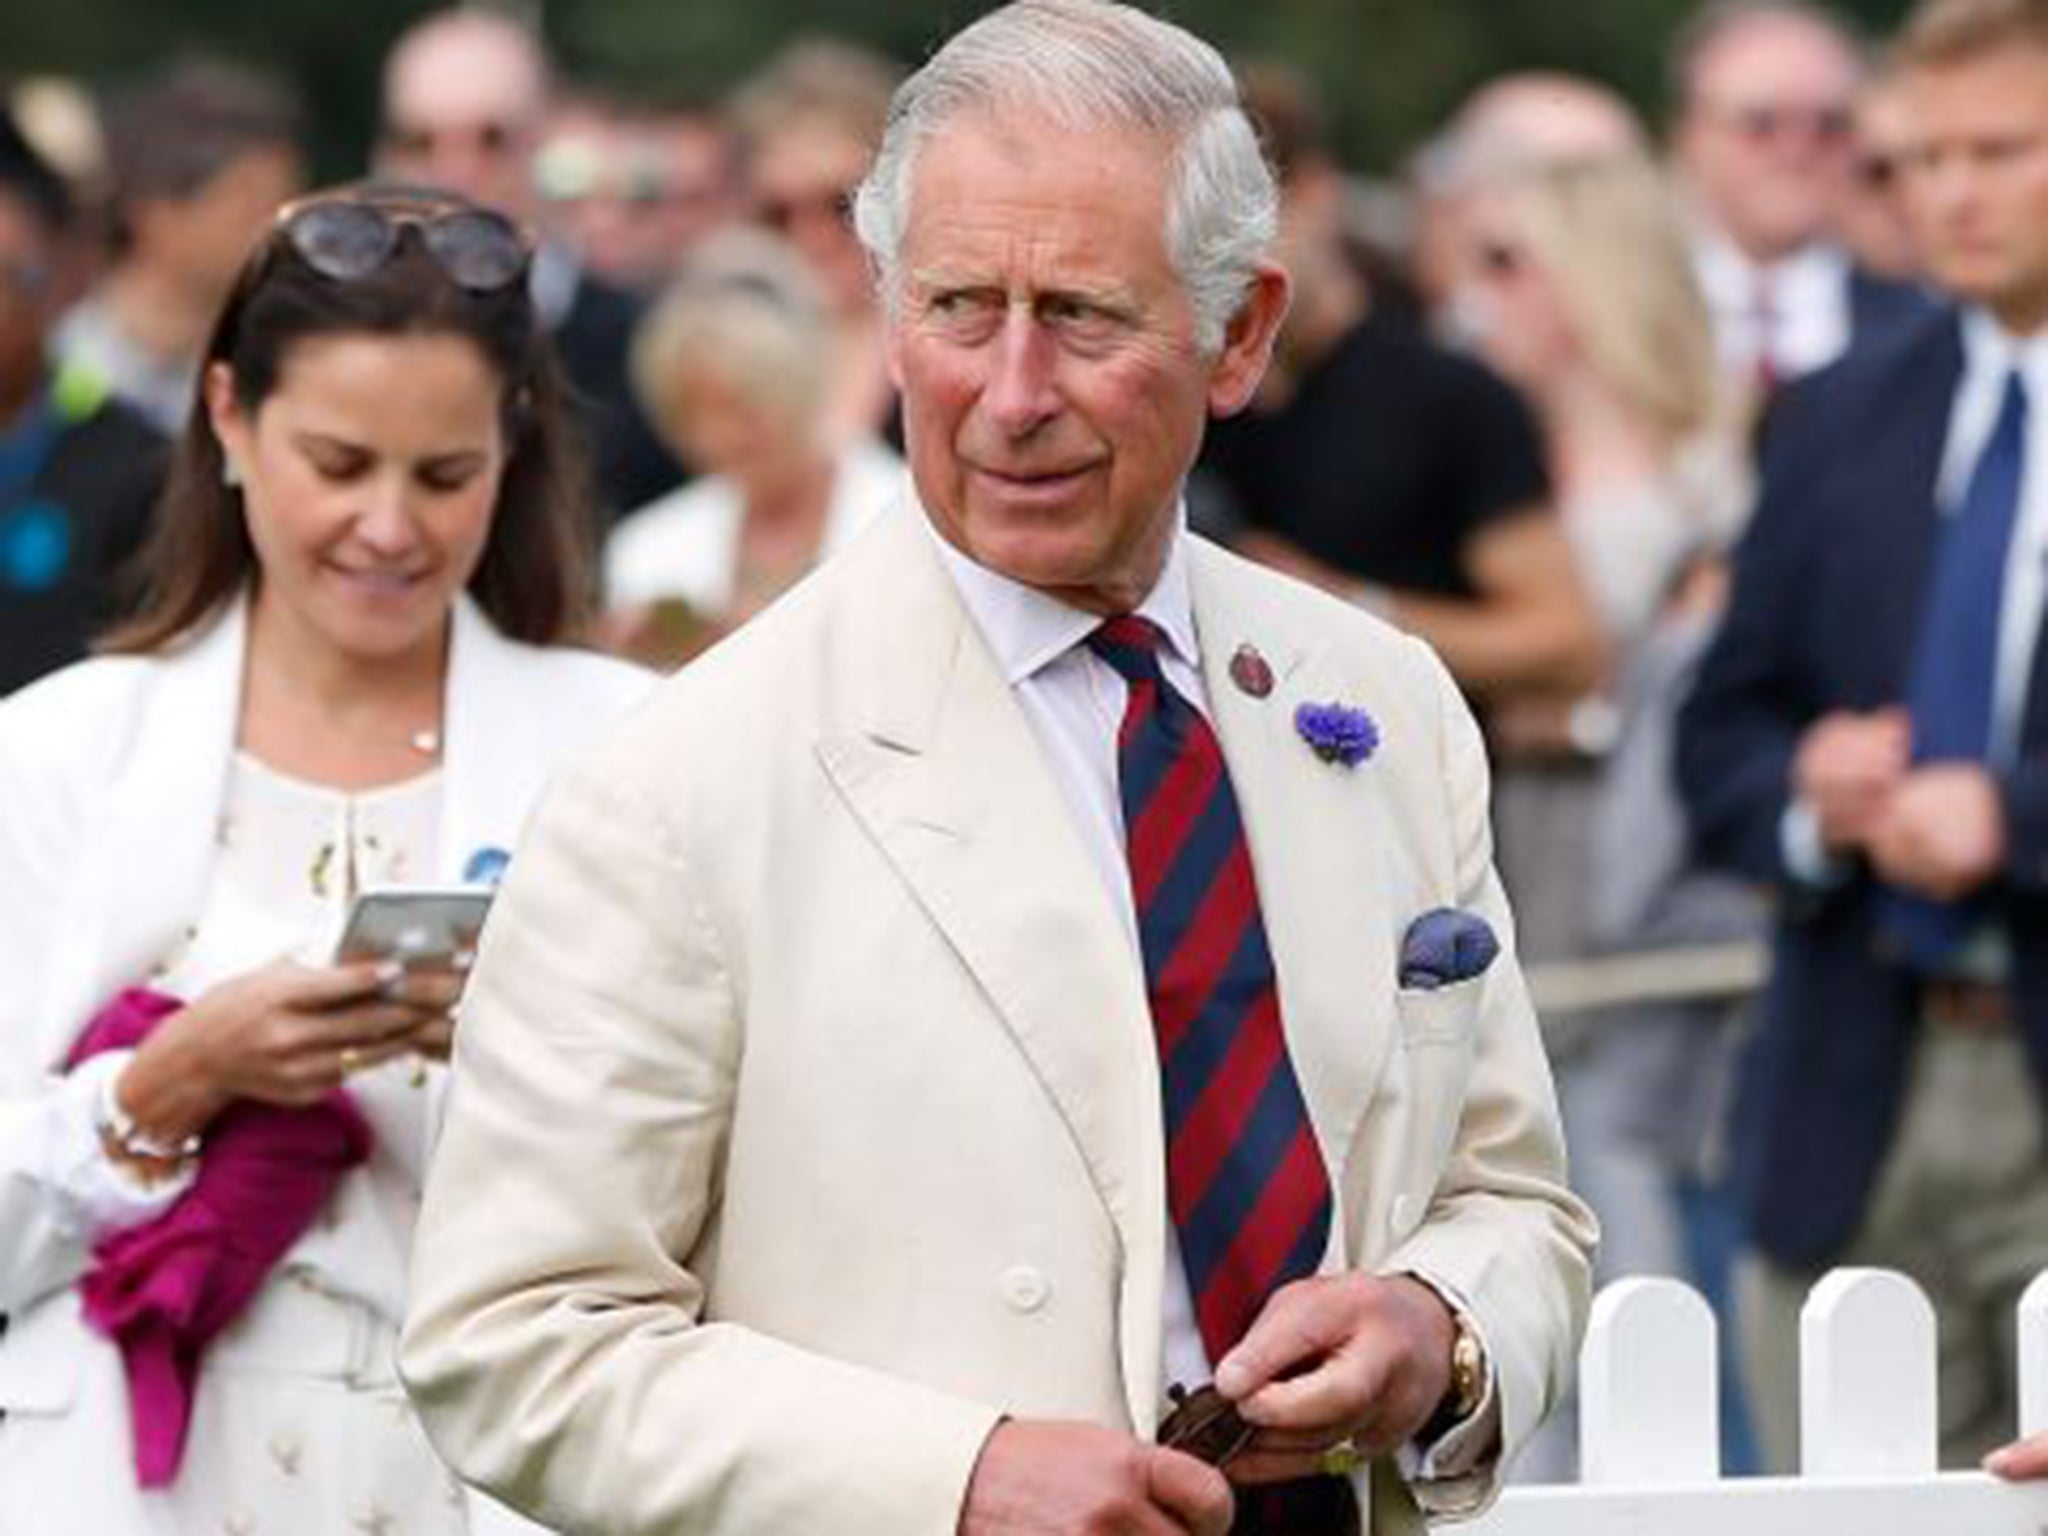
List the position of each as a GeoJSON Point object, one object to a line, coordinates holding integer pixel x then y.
{"type": "Point", "coordinates": [486, 866]}
{"type": "Point", "coordinates": [35, 546]}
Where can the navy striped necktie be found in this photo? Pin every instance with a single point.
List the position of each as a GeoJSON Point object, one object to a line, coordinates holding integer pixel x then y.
{"type": "Point", "coordinates": [1245, 1181]}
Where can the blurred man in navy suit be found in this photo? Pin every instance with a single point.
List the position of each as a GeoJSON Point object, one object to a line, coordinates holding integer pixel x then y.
{"type": "Point", "coordinates": [1870, 735]}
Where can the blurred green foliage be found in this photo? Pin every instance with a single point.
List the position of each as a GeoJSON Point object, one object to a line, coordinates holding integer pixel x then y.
{"type": "Point", "coordinates": [1390, 69]}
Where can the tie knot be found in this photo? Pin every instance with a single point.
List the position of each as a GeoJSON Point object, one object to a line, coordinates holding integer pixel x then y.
{"type": "Point", "coordinates": [1130, 645]}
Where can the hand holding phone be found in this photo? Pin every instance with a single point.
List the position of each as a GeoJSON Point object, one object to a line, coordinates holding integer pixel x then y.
{"type": "Point", "coordinates": [420, 928]}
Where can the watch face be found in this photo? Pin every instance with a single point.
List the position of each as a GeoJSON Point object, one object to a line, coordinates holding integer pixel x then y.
{"type": "Point", "coordinates": [1468, 1368]}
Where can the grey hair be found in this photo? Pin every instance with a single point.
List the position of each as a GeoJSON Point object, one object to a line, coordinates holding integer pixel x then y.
{"type": "Point", "coordinates": [1095, 64]}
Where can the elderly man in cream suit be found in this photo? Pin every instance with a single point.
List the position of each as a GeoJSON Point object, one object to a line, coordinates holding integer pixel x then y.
{"type": "Point", "coordinates": [808, 1163]}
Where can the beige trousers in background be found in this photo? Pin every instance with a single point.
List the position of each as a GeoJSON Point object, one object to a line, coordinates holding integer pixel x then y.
{"type": "Point", "coordinates": [1961, 1206]}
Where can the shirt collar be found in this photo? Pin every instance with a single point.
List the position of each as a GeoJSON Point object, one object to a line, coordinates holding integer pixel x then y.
{"type": "Point", "coordinates": [1731, 278]}
{"type": "Point", "coordinates": [1029, 630]}
{"type": "Point", "coordinates": [1989, 351]}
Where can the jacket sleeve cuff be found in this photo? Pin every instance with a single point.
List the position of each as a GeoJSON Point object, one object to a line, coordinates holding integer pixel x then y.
{"type": "Point", "coordinates": [1805, 856]}
{"type": "Point", "coordinates": [96, 1192]}
{"type": "Point", "coordinates": [1465, 1450]}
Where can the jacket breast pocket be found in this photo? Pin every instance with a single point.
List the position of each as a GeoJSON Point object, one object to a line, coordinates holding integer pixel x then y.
{"type": "Point", "coordinates": [1437, 1016]}
{"type": "Point", "coordinates": [1437, 1030]}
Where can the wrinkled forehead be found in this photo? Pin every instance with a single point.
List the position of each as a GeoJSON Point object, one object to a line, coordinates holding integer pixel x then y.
{"type": "Point", "coordinates": [1012, 153]}
{"type": "Point", "coordinates": [1050, 210]}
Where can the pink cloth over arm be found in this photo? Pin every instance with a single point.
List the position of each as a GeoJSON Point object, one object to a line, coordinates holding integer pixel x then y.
{"type": "Point", "coordinates": [163, 1290]}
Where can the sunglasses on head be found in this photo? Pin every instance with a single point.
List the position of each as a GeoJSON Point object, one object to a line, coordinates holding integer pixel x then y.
{"type": "Point", "coordinates": [345, 240]}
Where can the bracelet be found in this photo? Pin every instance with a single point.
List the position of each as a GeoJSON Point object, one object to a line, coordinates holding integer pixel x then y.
{"type": "Point", "coordinates": [120, 1128]}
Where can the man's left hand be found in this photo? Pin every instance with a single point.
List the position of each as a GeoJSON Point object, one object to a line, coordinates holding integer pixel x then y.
{"type": "Point", "coordinates": [1942, 832]}
{"type": "Point", "coordinates": [1334, 1361]}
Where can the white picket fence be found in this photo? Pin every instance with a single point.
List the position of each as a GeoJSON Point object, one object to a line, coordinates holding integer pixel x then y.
{"type": "Point", "coordinates": [1649, 1425]}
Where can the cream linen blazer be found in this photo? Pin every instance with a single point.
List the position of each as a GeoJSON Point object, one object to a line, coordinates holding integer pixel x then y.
{"type": "Point", "coordinates": [806, 1114]}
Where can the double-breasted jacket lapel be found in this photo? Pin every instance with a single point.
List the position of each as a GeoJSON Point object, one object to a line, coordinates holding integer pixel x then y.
{"type": "Point", "coordinates": [942, 769]}
{"type": "Point", "coordinates": [1322, 850]}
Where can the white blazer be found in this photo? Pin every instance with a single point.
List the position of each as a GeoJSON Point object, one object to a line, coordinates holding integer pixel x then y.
{"type": "Point", "coordinates": [112, 773]}
{"type": "Point", "coordinates": [807, 1111]}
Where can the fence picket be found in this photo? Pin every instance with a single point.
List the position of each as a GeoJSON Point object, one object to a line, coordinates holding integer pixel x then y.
{"type": "Point", "coordinates": [1649, 1387]}
{"type": "Point", "coordinates": [1867, 1377]}
{"type": "Point", "coordinates": [2033, 1365]}
{"type": "Point", "coordinates": [1648, 1392]}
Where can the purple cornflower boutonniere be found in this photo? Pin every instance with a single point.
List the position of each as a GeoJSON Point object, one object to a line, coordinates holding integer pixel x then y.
{"type": "Point", "coordinates": [1337, 733]}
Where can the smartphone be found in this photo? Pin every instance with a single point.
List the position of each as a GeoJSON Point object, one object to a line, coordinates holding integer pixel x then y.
{"type": "Point", "coordinates": [422, 927]}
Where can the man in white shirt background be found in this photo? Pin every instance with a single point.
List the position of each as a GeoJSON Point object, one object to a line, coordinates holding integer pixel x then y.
{"type": "Point", "coordinates": [1763, 146]}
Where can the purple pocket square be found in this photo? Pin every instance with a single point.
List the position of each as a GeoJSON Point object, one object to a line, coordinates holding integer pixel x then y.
{"type": "Point", "coordinates": [1446, 946]}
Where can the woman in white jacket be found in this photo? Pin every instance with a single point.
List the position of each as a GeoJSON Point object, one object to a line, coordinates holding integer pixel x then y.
{"type": "Point", "coordinates": [344, 674]}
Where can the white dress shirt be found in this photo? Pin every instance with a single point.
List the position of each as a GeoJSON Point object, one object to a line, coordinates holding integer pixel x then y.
{"type": "Point", "coordinates": [1989, 355]}
{"type": "Point", "coordinates": [1075, 703]}
{"type": "Point", "coordinates": [1798, 307]}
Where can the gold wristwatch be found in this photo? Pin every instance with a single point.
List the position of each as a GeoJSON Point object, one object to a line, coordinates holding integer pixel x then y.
{"type": "Point", "coordinates": [1468, 1370]}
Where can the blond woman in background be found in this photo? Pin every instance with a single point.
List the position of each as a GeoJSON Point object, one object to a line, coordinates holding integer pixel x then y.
{"type": "Point", "coordinates": [733, 366]}
{"type": "Point", "coordinates": [1575, 283]}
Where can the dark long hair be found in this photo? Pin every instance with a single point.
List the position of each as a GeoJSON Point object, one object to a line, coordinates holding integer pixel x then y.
{"type": "Point", "coordinates": [534, 579]}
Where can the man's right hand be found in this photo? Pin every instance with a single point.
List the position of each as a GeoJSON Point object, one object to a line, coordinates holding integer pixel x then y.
{"type": "Point", "coordinates": [1037, 1477]}
{"type": "Point", "coordinates": [1846, 768]}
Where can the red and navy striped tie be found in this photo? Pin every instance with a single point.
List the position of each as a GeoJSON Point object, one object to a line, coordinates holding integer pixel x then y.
{"type": "Point", "coordinates": [1245, 1182]}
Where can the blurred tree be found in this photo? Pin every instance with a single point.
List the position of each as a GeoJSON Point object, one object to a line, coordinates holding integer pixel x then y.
{"type": "Point", "coordinates": [1391, 68]}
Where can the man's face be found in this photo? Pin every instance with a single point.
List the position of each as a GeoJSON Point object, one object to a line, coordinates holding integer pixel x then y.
{"type": "Point", "coordinates": [1765, 142]}
{"type": "Point", "coordinates": [464, 112]}
{"type": "Point", "coordinates": [1054, 391]}
{"type": "Point", "coordinates": [802, 178]}
{"type": "Point", "coordinates": [1975, 179]}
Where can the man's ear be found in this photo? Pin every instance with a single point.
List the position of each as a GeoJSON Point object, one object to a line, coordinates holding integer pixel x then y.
{"type": "Point", "coordinates": [892, 345]}
{"type": "Point", "coordinates": [1248, 340]}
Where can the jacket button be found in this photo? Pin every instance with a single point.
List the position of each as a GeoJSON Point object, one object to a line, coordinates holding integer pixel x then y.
{"type": "Point", "coordinates": [1025, 1288]}
{"type": "Point", "coordinates": [1405, 1215]}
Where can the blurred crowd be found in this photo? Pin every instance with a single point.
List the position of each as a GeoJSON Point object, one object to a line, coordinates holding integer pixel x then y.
{"type": "Point", "coordinates": [1527, 392]}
